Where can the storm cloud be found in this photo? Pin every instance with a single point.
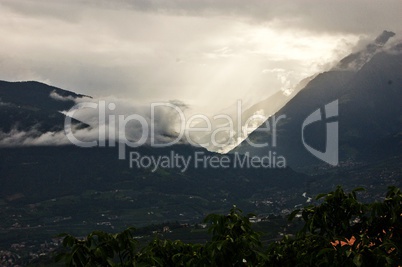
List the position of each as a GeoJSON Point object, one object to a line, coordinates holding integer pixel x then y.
{"type": "Point", "coordinates": [207, 54]}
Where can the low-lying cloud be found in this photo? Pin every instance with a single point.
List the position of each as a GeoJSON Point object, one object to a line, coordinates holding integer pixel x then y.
{"type": "Point", "coordinates": [105, 118]}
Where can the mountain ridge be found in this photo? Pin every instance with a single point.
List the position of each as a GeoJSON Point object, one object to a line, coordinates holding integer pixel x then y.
{"type": "Point", "coordinates": [369, 110]}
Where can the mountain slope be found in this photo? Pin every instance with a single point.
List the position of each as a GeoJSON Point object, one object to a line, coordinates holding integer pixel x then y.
{"type": "Point", "coordinates": [370, 114]}
{"type": "Point", "coordinates": [45, 183]}
{"type": "Point", "coordinates": [32, 105]}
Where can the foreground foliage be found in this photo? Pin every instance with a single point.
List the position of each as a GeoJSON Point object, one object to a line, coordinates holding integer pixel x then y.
{"type": "Point", "coordinates": [341, 231]}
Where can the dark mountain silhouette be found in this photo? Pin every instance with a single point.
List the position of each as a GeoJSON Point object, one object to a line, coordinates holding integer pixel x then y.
{"type": "Point", "coordinates": [29, 105]}
{"type": "Point", "coordinates": [370, 112]}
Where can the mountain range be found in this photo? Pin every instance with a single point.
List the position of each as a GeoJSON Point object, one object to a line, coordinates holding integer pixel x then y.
{"type": "Point", "coordinates": [32, 105]}
{"type": "Point", "coordinates": [369, 111]}
{"type": "Point", "coordinates": [43, 183]}
{"type": "Point", "coordinates": [47, 189]}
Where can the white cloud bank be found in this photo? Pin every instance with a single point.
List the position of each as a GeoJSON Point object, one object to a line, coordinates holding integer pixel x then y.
{"type": "Point", "coordinates": [104, 118]}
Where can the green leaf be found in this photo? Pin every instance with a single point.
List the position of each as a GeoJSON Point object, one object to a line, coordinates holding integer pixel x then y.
{"type": "Point", "coordinates": [324, 251]}
{"type": "Point", "coordinates": [293, 214]}
{"type": "Point", "coordinates": [357, 260]}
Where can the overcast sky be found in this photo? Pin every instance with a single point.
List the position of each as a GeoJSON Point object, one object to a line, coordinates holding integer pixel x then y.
{"type": "Point", "coordinates": [204, 53]}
